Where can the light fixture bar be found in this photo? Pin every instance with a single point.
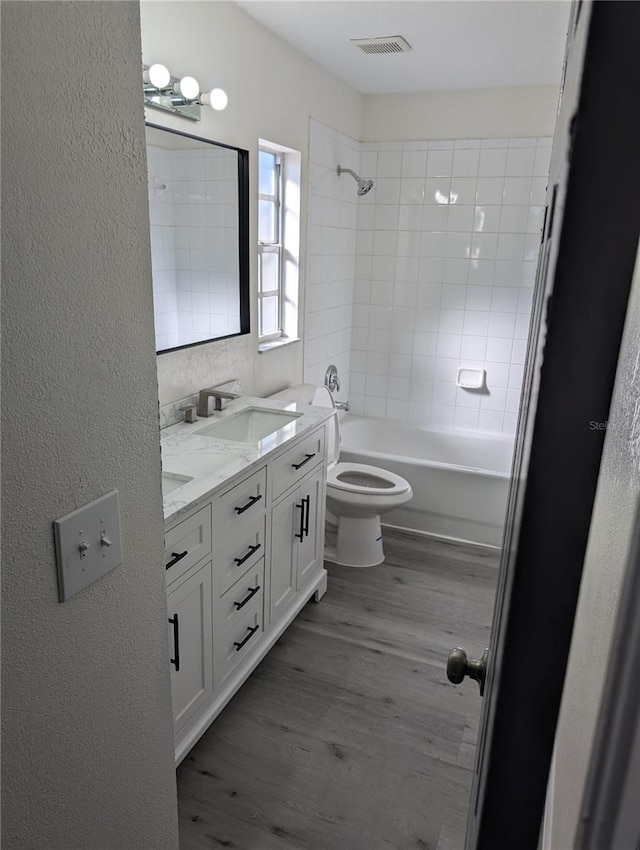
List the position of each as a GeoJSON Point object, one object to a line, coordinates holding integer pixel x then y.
{"type": "Point", "coordinates": [178, 95]}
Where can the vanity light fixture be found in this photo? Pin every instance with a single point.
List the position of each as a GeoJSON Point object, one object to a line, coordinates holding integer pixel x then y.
{"type": "Point", "coordinates": [179, 95]}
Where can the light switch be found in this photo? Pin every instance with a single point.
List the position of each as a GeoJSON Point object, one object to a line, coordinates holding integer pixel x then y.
{"type": "Point", "coordinates": [87, 544]}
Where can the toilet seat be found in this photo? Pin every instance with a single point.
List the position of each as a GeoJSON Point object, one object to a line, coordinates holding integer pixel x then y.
{"type": "Point", "coordinates": [338, 478]}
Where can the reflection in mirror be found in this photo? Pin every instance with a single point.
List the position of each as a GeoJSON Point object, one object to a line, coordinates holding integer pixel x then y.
{"type": "Point", "coordinates": [198, 213]}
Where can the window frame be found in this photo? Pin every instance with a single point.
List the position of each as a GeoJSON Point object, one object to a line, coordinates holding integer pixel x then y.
{"type": "Point", "coordinates": [272, 247]}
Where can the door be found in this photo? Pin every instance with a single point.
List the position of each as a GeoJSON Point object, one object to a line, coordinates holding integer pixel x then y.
{"type": "Point", "coordinates": [310, 547]}
{"type": "Point", "coordinates": [286, 522]}
{"type": "Point", "coordinates": [191, 646]}
{"type": "Point", "coordinates": [585, 270]}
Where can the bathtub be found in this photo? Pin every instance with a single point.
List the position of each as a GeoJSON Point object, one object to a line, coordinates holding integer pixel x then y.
{"type": "Point", "coordinates": [460, 479]}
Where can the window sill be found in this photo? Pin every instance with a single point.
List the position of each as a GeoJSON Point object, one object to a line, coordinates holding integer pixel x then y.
{"type": "Point", "coordinates": [276, 343]}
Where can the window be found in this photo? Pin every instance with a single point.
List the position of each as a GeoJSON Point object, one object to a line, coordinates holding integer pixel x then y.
{"type": "Point", "coordinates": [278, 244]}
{"type": "Point", "coordinates": [270, 245]}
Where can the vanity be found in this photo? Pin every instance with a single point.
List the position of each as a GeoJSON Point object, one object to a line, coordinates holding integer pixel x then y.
{"type": "Point", "coordinates": [244, 509]}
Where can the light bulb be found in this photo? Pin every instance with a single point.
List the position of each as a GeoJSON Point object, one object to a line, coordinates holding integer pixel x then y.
{"type": "Point", "coordinates": [188, 87]}
{"type": "Point", "coordinates": [158, 76]}
{"type": "Point", "coordinates": [216, 99]}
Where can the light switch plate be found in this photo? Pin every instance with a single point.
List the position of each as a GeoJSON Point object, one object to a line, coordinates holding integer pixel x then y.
{"type": "Point", "coordinates": [87, 544]}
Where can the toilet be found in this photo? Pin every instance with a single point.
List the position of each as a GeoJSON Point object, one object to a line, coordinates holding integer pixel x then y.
{"type": "Point", "coordinates": [357, 494]}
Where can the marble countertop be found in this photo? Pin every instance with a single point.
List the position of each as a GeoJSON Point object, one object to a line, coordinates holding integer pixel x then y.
{"type": "Point", "coordinates": [211, 462]}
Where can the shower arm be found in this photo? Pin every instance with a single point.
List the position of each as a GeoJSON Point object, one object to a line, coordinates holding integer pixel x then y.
{"type": "Point", "coordinates": [342, 170]}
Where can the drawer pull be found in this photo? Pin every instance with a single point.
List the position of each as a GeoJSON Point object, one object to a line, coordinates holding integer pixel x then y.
{"type": "Point", "coordinates": [176, 556]}
{"type": "Point", "coordinates": [239, 644]}
{"type": "Point", "coordinates": [307, 458]}
{"type": "Point", "coordinates": [248, 597]}
{"type": "Point", "coordinates": [246, 507]}
{"type": "Point", "coordinates": [252, 550]}
{"type": "Point", "coordinates": [176, 642]}
{"type": "Point", "coordinates": [300, 534]}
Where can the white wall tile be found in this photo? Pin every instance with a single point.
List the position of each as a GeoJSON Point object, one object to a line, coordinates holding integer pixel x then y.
{"type": "Point", "coordinates": [437, 190]}
{"type": "Point", "coordinates": [414, 163]}
{"type": "Point", "coordinates": [486, 218]}
{"type": "Point", "coordinates": [490, 191]}
{"type": "Point", "coordinates": [517, 190]}
{"type": "Point", "coordinates": [463, 190]}
{"type": "Point", "coordinates": [454, 295]}
{"type": "Point", "coordinates": [439, 163]}
{"type": "Point", "coordinates": [492, 163]}
{"type": "Point", "coordinates": [465, 163]}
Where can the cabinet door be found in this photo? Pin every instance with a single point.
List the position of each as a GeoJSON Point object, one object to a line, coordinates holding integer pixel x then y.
{"type": "Point", "coordinates": [191, 646]}
{"type": "Point", "coordinates": [286, 522]}
{"type": "Point", "coordinates": [311, 547]}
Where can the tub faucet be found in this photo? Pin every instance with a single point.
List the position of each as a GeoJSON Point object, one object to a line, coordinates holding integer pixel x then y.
{"type": "Point", "coordinates": [342, 405]}
{"type": "Point", "coordinates": [214, 393]}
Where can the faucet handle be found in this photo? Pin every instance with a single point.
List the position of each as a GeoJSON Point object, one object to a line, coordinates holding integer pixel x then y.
{"type": "Point", "coordinates": [189, 411]}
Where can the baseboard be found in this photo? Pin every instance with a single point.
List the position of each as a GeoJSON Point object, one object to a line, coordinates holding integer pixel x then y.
{"type": "Point", "coordinates": [446, 538]}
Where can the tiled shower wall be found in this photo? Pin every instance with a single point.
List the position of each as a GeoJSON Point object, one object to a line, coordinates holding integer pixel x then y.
{"type": "Point", "coordinates": [331, 255]}
{"type": "Point", "coordinates": [431, 270]}
{"type": "Point", "coordinates": [194, 244]}
{"type": "Point", "coordinates": [446, 256]}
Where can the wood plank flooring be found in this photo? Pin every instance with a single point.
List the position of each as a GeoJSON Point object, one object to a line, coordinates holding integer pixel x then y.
{"type": "Point", "coordinates": [348, 735]}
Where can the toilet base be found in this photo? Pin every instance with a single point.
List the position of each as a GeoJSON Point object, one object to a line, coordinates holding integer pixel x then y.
{"type": "Point", "coordinates": [358, 544]}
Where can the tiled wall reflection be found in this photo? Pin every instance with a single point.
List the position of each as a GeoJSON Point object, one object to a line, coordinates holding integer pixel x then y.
{"type": "Point", "coordinates": [194, 244]}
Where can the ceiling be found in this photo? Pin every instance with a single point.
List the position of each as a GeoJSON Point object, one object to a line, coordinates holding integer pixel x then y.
{"type": "Point", "coordinates": [456, 44]}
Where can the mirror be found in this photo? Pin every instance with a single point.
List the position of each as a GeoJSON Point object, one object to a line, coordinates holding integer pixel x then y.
{"type": "Point", "coordinates": [199, 222]}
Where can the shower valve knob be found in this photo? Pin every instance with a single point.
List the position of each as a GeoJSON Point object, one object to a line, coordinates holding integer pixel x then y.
{"type": "Point", "coordinates": [459, 666]}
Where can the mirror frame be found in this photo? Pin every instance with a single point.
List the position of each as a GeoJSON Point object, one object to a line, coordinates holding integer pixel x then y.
{"type": "Point", "coordinates": [243, 236]}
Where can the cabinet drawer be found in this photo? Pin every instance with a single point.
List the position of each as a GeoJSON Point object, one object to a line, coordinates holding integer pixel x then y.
{"type": "Point", "coordinates": [237, 643]}
{"type": "Point", "coordinates": [235, 511]}
{"type": "Point", "coordinates": [187, 543]}
{"type": "Point", "coordinates": [289, 468]}
{"type": "Point", "coordinates": [235, 557]}
{"type": "Point", "coordinates": [246, 593]}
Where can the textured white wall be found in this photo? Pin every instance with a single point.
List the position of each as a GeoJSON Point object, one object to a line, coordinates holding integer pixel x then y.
{"type": "Point", "coordinates": [87, 757]}
{"type": "Point", "coordinates": [610, 539]}
{"type": "Point", "coordinates": [273, 89]}
{"type": "Point", "coordinates": [470, 114]}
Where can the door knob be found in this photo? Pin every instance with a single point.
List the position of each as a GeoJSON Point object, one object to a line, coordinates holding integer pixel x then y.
{"type": "Point", "coordinates": [459, 666]}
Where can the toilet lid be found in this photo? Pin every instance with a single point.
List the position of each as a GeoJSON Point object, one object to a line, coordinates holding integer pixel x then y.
{"type": "Point", "coordinates": [362, 478]}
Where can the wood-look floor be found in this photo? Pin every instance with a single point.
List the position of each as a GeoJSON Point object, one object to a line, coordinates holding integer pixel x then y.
{"type": "Point", "coordinates": [348, 735]}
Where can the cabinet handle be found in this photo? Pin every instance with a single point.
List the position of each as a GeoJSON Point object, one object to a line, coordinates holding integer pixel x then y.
{"type": "Point", "coordinates": [176, 642]}
{"type": "Point", "coordinates": [307, 458]}
{"type": "Point", "coordinates": [300, 534]}
{"type": "Point", "coordinates": [307, 502]}
{"type": "Point", "coordinates": [246, 507]}
{"type": "Point", "coordinates": [248, 597]}
{"type": "Point", "coordinates": [252, 549]}
{"type": "Point", "coordinates": [239, 644]}
{"type": "Point", "coordinates": [175, 557]}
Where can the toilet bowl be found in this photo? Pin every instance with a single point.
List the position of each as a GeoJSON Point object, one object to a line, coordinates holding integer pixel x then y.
{"type": "Point", "coordinates": [357, 494]}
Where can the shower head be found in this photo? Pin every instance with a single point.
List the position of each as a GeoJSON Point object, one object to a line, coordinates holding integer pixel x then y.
{"type": "Point", "coordinates": [363, 185]}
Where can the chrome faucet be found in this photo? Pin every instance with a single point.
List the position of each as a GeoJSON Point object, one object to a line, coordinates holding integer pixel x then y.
{"type": "Point", "coordinates": [331, 379]}
{"type": "Point", "coordinates": [216, 394]}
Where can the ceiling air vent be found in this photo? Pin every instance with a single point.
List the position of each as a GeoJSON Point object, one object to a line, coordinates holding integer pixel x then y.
{"type": "Point", "coordinates": [384, 44]}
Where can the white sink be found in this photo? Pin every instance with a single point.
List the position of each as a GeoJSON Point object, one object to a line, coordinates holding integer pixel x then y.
{"type": "Point", "coordinates": [250, 425]}
{"type": "Point", "coordinates": [171, 481]}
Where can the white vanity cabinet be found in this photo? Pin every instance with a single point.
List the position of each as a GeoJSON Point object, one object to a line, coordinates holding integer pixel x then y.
{"type": "Point", "coordinates": [239, 568]}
